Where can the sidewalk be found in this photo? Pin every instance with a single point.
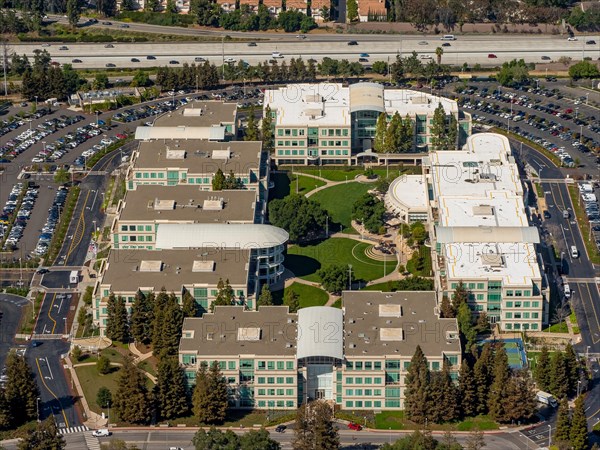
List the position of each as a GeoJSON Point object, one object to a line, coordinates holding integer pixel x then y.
{"type": "Point", "coordinates": [93, 420]}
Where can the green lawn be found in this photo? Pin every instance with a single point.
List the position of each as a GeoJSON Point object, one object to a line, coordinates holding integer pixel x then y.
{"type": "Point", "coordinates": [338, 201]}
{"type": "Point", "coordinates": [91, 381]}
{"type": "Point", "coordinates": [304, 261]}
{"type": "Point", "coordinates": [349, 173]}
{"type": "Point", "coordinates": [558, 328]}
{"type": "Point", "coordinates": [394, 420]}
{"type": "Point", "coordinates": [304, 184]}
{"type": "Point", "coordinates": [337, 304]}
{"type": "Point", "coordinates": [307, 295]}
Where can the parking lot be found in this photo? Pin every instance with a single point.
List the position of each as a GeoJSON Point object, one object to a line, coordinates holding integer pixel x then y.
{"type": "Point", "coordinates": [542, 116]}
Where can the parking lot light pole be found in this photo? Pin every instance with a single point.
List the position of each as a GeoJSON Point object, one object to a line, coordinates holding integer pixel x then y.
{"type": "Point", "coordinates": [37, 404]}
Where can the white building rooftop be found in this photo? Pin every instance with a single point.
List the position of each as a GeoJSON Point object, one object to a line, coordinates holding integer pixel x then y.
{"type": "Point", "coordinates": [330, 104]}
{"type": "Point", "coordinates": [497, 209]}
{"type": "Point", "coordinates": [484, 165]}
{"type": "Point", "coordinates": [513, 263]}
{"type": "Point", "coordinates": [408, 191]}
{"type": "Point", "coordinates": [318, 104]}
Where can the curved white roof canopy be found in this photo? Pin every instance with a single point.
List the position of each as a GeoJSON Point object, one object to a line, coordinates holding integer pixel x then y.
{"type": "Point", "coordinates": [213, 235]}
{"type": "Point", "coordinates": [320, 332]}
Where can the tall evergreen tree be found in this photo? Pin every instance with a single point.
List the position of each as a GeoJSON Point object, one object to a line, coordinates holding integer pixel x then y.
{"type": "Point", "coordinates": [218, 180]}
{"type": "Point", "coordinates": [265, 298]}
{"type": "Point", "coordinates": [6, 415]}
{"type": "Point", "coordinates": [520, 401]}
{"type": "Point", "coordinates": [291, 300]}
{"type": "Point", "coordinates": [579, 431]}
{"type": "Point", "coordinates": [416, 400]}
{"type": "Point", "coordinates": [559, 379]}
{"type": "Point", "coordinates": [45, 436]}
{"type": "Point", "coordinates": [542, 370]}
{"type": "Point", "coordinates": [468, 332]}
{"type": "Point", "coordinates": [73, 12]}
{"type": "Point", "coordinates": [189, 305]}
{"type": "Point", "coordinates": [111, 319]}
{"type": "Point", "coordinates": [407, 135]}
{"type": "Point", "coordinates": [572, 368]}
{"type": "Point", "coordinates": [171, 327]}
{"type": "Point", "coordinates": [267, 129]}
{"type": "Point", "coordinates": [225, 295]}
{"type": "Point", "coordinates": [380, 132]}
{"type": "Point", "coordinates": [251, 127]}
{"type": "Point", "coordinates": [132, 399]}
{"type": "Point", "coordinates": [443, 396]}
{"type": "Point", "coordinates": [460, 295]}
{"type": "Point", "coordinates": [391, 140]}
{"type": "Point", "coordinates": [563, 423]}
{"type": "Point", "coordinates": [446, 308]}
{"type": "Point", "coordinates": [451, 135]}
{"type": "Point", "coordinates": [120, 329]}
{"type": "Point", "coordinates": [497, 401]}
{"type": "Point", "coordinates": [438, 128]}
{"type": "Point", "coordinates": [482, 372]}
{"type": "Point", "coordinates": [21, 391]}
{"type": "Point", "coordinates": [171, 398]}
{"type": "Point", "coordinates": [314, 427]}
{"type": "Point", "coordinates": [467, 389]}
{"type": "Point", "coordinates": [142, 314]}
{"type": "Point", "coordinates": [210, 394]}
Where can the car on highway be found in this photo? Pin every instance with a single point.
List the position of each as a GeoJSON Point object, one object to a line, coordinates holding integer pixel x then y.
{"type": "Point", "coordinates": [106, 23]}
{"type": "Point", "coordinates": [354, 426]}
{"type": "Point", "coordinates": [45, 44]}
{"type": "Point", "coordinates": [423, 43]}
{"type": "Point", "coordinates": [199, 59]}
{"type": "Point", "coordinates": [364, 55]}
{"type": "Point", "coordinates": [363, 60]}
{"type": "Point", "coordinates": [251, 44]}
{"type": "Point", "coordinates": [173, 61]}
{"type": "Point", "coordinates": [102, 432]}
{"type": "Point", "coordinates": [135, 60]}
{"type": "Point", "coordinates": [591, 42]}
{"type": "Point", "coordinates": [110, 65]}
{"type": "Point", "coordinates": [75, 61]}
{"type": "Point", "coordinates": [63, 47]}
{"type": "Point", "coordinates": [280, 428]}
{"type": "Point", "coordinates": [230, 60]}
{"type": "Point", "coordinates": [124, 26]}
{"type": "Point", "coordinates": [42, 271]}
{"type": "Point", "coordinates": [276, 55]}
{"type": "Point", "coordinates": [109, 46]}
{"type": "Point", "coordinates": [446, 44]}
{"type": "Point", "coordinates": [572, 39]}
{"type": "Point", "coordinates": [491, 55]}
{"type": "Point", "coordinates": [352, 43]}
{"type": "Point", "coordinates": [175, 448]}
{"type": "Point", "coordinates": [150, 57]}
{"type": "Point", "coordinates": [546, 58]}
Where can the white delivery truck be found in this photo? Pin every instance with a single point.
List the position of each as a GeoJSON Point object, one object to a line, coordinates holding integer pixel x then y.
{"type": "Point", "coordinates": [74, 277]}
{"type": "Point", "coordinates": [546, 399]}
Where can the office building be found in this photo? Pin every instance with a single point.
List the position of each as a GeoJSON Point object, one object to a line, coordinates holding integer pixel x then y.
{"type": "Point", "coordinates": [330, 123]}
{"type": "Point", "coordinates": [356, 357]}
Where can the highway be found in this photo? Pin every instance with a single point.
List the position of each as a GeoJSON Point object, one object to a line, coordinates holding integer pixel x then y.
{"type": "Point", "coordinates": [469, 49]}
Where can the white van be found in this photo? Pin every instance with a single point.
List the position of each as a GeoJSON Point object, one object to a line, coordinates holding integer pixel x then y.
{"type": "Point", "coordinates": [276, 55]}
{"type": "Point", "coordinates": [567, 291]}
{"type": "Point", "coordinates": [574, 252]}
{"type": "Point", "coordinates": [448, 37]}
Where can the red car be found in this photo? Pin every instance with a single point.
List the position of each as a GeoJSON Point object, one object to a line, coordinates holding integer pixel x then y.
{"type": "Point", "coordinates": [354, 426]}
{"type": "Point", "coordinates": [121, 136]}
{"type": "Point", "coordinates": [491, 55]}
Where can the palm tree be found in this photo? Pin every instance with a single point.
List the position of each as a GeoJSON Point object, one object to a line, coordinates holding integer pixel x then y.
{"type": "Point", "coordinates": [439, 52]}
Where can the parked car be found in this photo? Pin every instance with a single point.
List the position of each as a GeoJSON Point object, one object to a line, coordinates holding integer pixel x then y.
{"type": "Point", "coordinates": [354, 426]}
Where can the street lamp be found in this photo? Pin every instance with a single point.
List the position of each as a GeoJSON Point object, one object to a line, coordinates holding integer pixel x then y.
{"type": "Point", "coordinates": [37, 404]}
{"type": "Point", "coordinates": [65, 319]}
{"type": "Point", "coordinates": [578, 385]}
{"type": "Point", "coordinates": [549, 435]}
{"type": "Point", "coordinates": [36, 97]}
{"type": "Point", "coordinates": [349, 277]}
{"type": "Point", "coordinates": [97, 113]}
{"type": "Point", "coordinates": [576, 112]}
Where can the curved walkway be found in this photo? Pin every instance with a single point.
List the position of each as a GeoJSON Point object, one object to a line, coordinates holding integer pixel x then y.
{"type": "Point", "coordinates": [331, 183]}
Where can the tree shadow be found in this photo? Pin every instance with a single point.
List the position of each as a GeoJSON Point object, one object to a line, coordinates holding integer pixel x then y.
{"type": "Point", "coordinates": [301, 265]}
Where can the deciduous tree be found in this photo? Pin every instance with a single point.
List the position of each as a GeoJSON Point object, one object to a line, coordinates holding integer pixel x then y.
{"type": "Point", "coordinates": [334, 278]}
{"type": "Point", "coordinates": [291, 300]}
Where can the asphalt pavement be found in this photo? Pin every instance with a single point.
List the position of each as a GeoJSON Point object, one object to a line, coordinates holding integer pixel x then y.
{"type": "Point", "coordinates": [10, 315]}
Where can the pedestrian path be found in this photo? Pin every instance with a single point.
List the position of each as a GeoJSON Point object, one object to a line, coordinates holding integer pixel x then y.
{"type": "Point", "coordinates": [69, 430]}
{"type": "Point", "coordinates": [91, 441]}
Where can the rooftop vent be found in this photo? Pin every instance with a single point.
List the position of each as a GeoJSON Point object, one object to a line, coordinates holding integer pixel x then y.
{"type": "Point", "coordinates": [390, 334]}
{"type": "Point", "coordinates": [151, 266]}
{"type": "Point", "coordinates": [203, 266]}
{"type": "Point", "coordinates": [213, 204]}
{"type": "Point", "coordinates": [175, 154]}
{"type": "Point", "coordinates": [162, 205]}
{"type": "Point", "coordinates": [221, 154]}
{"type": "Point", "coordinates": [390, 310]}
{"type": "Point", "coordinates": [249, 334]}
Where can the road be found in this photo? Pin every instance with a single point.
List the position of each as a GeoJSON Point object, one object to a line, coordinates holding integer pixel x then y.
{"type": "Point", "coordinates": [469, 49]}
{"type": "Point", "coordinates": [10, 316]}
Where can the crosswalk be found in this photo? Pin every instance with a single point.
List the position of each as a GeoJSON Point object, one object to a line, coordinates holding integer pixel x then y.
{"type": "Point", "coordinates": [69, 430]}
{"type": "Point", "coordinates": [92, 442]}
